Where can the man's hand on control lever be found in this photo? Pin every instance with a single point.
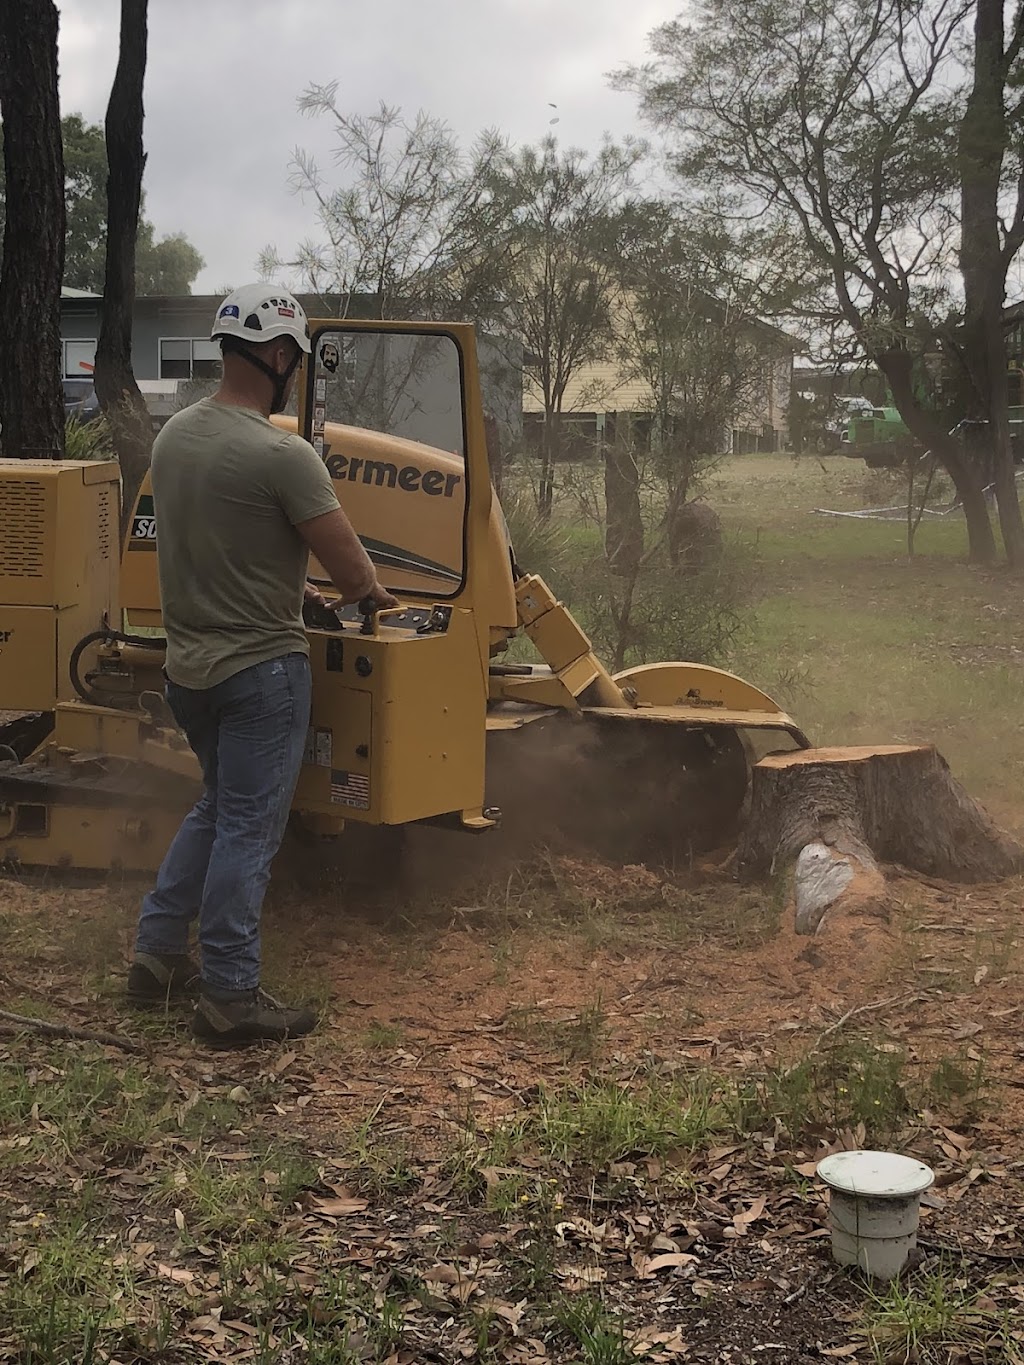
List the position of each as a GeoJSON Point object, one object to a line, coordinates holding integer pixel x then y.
{"type": "Point", "coordinates": [378, 599]}
{"type": "Point", "coordinates": [337, 547]}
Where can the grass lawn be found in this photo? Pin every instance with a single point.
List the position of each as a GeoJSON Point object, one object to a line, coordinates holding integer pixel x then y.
{"type": "Point", "coordinates": [867, 646]}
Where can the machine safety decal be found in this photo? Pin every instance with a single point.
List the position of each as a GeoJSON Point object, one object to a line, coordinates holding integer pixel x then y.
{"type": "Point", "coordinates": [350, 789]}
{"type": "Point", "coordinates": [144, 522]}
{"type": "Point", "coordinates": [319, 746]}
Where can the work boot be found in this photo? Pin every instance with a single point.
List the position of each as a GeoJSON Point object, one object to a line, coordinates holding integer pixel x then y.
{"type": "Point", "coordinates": [159, 978]}
{"type": "Point", "coordinates": [239, 1018]}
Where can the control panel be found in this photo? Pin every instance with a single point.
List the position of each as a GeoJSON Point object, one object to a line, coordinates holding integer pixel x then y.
{"type": "Point", "coordinates": [399, 715]}
{"type": "Point", "coordinates": [417, 620]}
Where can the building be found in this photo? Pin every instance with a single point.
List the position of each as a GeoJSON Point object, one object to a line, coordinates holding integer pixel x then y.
{"type": "Point", "coordinates": [601, 399]}
{"type": "Point", "coordinates": [173, 356]}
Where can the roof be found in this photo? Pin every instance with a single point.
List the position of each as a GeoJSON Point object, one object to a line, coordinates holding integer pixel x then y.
{"type": "Point", "coordinates": [66, 292]}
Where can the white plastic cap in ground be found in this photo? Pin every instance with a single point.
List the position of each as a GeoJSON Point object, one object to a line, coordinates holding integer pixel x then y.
{"type": "Point", "coordinates": [875, 1175]}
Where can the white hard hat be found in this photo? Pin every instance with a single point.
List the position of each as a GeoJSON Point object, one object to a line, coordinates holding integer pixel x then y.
{"type": "Point", "coordinates": [261, 312]}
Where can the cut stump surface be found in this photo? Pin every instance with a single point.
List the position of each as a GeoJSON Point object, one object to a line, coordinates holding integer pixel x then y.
{"type": "Point", "coordinates": [839, 812]}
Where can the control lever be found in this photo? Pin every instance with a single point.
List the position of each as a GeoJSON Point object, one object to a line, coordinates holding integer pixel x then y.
{"type": "Point", "coordinates": [319, 617]}
{"type": "Point", "coordinates": [372, 618]}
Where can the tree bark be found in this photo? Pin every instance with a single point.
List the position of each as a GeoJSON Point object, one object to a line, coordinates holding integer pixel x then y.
{"type": "Point", "coordinates": [122, 402]}
{"type": "Point", "coordinates": [31, 399]}
{"type": "Point", "coordinates": [865, 806]}
{"type": "Point", "coordinates": [896, 366]}
{"type": "Point", "coordinates": [495, 461]}
{"type": "Point", "coordinates": [551, 440]}
{"type": "Point", "coordinates": [983, 144]}
{"type": "Point", "coordinates": [624, 527]}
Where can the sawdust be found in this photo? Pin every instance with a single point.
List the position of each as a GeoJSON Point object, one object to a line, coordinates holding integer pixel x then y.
{"type": "Point", "coordinates": [684, 970]}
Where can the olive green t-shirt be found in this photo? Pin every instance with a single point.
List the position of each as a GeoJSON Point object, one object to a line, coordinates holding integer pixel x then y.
{"type": "Point", "coordinates": [229, 489]}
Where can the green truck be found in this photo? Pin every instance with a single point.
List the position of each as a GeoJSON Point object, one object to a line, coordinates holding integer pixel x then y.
{"type": "Point", "coordinates": [882, 439]}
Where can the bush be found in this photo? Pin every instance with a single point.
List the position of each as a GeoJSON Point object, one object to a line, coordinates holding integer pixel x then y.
{"type": "Point", "coordinates": [540, 545]}
{"type": "Point", "coordinates": [661, 612]}
{"type": "Point", "coordinates": [88, 440]}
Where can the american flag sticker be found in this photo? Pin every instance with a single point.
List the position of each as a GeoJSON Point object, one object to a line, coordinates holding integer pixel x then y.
{"type": "Point", "coordinates": [350, 789]}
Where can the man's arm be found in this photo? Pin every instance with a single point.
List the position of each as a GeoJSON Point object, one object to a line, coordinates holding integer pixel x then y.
{"type": "Point", "coordinates": [338, 548]}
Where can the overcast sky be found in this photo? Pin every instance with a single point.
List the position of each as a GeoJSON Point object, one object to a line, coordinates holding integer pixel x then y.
{"type": "Point", "coordinates": [224, 75]}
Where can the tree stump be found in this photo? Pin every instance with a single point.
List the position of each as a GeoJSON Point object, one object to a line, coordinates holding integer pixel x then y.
{"type": "Point", "coordinates": [839, 813]}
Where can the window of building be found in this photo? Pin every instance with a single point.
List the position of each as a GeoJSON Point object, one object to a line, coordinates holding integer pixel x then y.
{"type": "Point", "coordinates": [79, 358]}
{"type": "Point", "coordinates": [189, 358]}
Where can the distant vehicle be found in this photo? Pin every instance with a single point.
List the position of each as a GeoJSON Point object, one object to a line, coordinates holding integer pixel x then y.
{"type": "Point", "coordinates": [80, 400]}
{"type": "Point", "coordinates": [878, 436]}
{"type": "Point", "coordinates": [882, 439]}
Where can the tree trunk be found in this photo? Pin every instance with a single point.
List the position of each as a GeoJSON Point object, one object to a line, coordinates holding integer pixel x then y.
{"type": "Point", "coordinates": [548, 455]}
{"type": "Point", "coordinates": [925, 427]}
{"type": "Point", "coordinates": [983, 143]}
{"type": "Point", "coordinates": [31, 400]}
{"type": "Point", "coordinates": [624, 527]}
{"type": "Point", "coordinates": [123, 405]}
{"type": "Point", "coordinates": [841, 812]}
{"type": "Point", "coordinates": [495, 463]}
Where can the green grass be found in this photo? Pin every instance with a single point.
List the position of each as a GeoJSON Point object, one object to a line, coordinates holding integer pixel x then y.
{"type": "Point", "coordinates": [228, 1199]}
{"type": "Point", "coordinates": [865, 646]}
{"type": "Point", "coordinates": [861, 644]}
{"type": "Point", "coordinates": [584, 1127]}
{"type": "Point", "coordinates": [382, 1037]}
{"type": "Point", "coordinates": [78, 1100]}
{"type": "Point", "coordinates": [937, 1318]}
{"type": "Point", "coordinates": [593, 1329]}
{"type": "Point", "coordinates": [849, 1082]}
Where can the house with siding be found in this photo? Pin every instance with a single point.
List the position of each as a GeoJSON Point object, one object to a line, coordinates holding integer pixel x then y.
{"type": "Point", "coordinates": [602, 397]}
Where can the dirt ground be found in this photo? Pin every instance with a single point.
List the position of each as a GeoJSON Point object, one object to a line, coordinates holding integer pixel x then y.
{"type": "Point", "coordinates": [442, 1033]}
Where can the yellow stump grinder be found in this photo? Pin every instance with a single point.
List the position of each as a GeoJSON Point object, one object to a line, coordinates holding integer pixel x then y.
{"type": "Point", "coordinates": [408, 704]}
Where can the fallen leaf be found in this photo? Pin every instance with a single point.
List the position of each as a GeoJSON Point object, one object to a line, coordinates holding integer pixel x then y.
{"type": "Point", "coordinates": [337, 1208]}
{"type": "Point", "coordinates": [980, 975]}
{"type": "Point", "coordinates": [175, 1272]}
{"type": "Point", "coordinates": [239, 1094]}
{"type": "Point", "coordinates": [582, 1274]}
{"type": "Point", "coordinates": [840, 1352]}
{"type": "Point", "coordinates": [670, 1260]}
{"type": "Point", "coordinates": [741, 1221]}
{"type": "Point", "coordinates": [443, 1274]}
{"type": "Point", "coordinates": [179, 1219]}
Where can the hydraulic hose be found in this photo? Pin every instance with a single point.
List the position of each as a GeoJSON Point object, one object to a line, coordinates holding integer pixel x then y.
{"type": "Point", "coordinates": [107, 635]}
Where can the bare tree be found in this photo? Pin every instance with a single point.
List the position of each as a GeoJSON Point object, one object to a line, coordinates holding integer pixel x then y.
{"type": "Point", "coordinates": [688, 329]}
{"type": "Point", "coordinates": [399, 232]}
{"type": "Point", "coordinates": [552, 216]}
{"type": "Point", "coordinates": [122, 402]}
{"type": "Point", "coordinates": [839, 117]}
{"type": "Point", "coordinates": [31, 402]}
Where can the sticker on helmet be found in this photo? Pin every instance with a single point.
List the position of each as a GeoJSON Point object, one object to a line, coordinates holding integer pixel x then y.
{"type": "Point", "coordinates": [286, 312]}
{"type": "Point", "coordinates": [230, 310]}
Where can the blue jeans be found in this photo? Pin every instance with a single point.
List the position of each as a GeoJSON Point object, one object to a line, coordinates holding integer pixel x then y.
{"type": "Point", "coordinates": [249, 734]}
